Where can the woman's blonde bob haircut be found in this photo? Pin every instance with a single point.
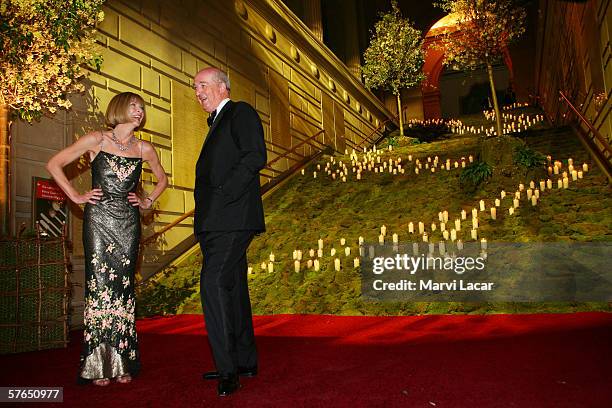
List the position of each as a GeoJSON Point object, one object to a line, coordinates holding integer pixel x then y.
{"type": "Point", "coordinates": [117, 111]}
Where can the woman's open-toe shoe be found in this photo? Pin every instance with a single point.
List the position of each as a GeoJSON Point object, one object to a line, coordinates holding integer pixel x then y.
{"type": "Point", "coordinates": [101, 382]}
{"type": "Point", "coordinates": [124, 379]}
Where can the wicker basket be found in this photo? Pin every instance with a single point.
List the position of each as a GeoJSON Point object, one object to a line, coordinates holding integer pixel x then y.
{"type": "Point", "coordinates": [34, 294]}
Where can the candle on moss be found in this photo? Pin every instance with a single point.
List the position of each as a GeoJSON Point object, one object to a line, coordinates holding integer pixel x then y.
{"type": "Point", "coordinates": [502, 195]}
{"type": "Point", "coordinates": [360, 240]}
{"type": "Point", "coordinates": [296, 266]}
{"type": "Point", "coordinates": [270, 267]}
{"type": "Point", "coordinates": [440, 217]}
{"type": "Point", "coordinates": [565, 182]}
{"type": "Point", "coordinates": [337, 264]}
{"type": "Point", "coordinates": [574, 175]}
{"type": "Point", "coordinates": [536, 194]}
{"type": "Point", "coordinates": [421, 227]}
{"type": "Point", "coordinates": [493, 213]}
{"type": "Point", "coordinates": [458, 224]}
{"type": "Point", "coordinates": [534, 201]}
{"type": "Point", "coordinates": [521, 187]}
{"type": "Point", "coordinates": [531, 185]}
{"type": "Point", "coordinates": [411, 227]}
{"type": "Point", "coordinates": [383, 230]}
{"type": "Point", "coordinates": [474, 222]}
{"type": "Point", "coordinates": [445, 215]}
{"type": "Point", "coordinates": [347, 251]}
{"type": "Point", "coordinates": [474, 213]}
{"type": "Point", "coordinates": [529, 193]}
{"type": "Point", "coordinates": [580, 174]}
{"type": "Point", "coordinates": [474, 234]}
{"type": "Point", "coordinates": [381, 239]}
{"type": "Point", "coordinates": [550, 170]}
{"type": "Point", "coordinates": [395, 239]}
{"type": "Point", "coordinates": [559, 183]}
{"type": "Point", "coordinates": [250, 270]}
{"type": "Point", "coordinates": [320, 242]}
{"type": "Point", "coordinates": [342, 241]}
{"type": "Point", "coordinates": [442, 226]}
{"type": "Point", "coordinates": [453, 234]}
{"type": "Point", "coordinates": [497, 202]}
{"type": "Point", "coordinates": [549, 184]}
{"type": "Point", "coordinates": [309, 264]}
{"type": "Point", "coordinates": [356, 263]}
{"type": "Point", "coordinates": [316, 264]}
{"type": "Point", "coordinates": [511, 210]}
{"type": "Point", "coordinates": [515, 203]}
{"type": "Point", "coordinates": [311, 252]}
{"type": "Point", "coordinates": [264, 266]}
{"type": "Point", "coordinates": [271, 257]}
{"type": "Point", "coordinates": [463, 215]}
{"type": "Point", "coordinates": [556, 170]}
{"type": "Point", "coordinates": [332, 252]}
{"type": "Point", "coordinates": [482, 205]}
{"type": "Point", "coordinates": [425, 237]}
{"type": "Point", "coordinates": [320, 253]}
{"type": "Point", "coordinates": [542, 185]}
{"type": "Point", "coordinates": [585, 167]}
{"type": "Point", "coordinates": [445, 235]}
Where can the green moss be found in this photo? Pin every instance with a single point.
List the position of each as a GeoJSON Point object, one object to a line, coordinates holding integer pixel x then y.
{"type": "Point", "coordinates": [306, 209]}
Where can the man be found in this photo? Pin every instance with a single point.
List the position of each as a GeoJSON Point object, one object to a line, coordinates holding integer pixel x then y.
{"type": "Point", "coordinates": [228, 213]}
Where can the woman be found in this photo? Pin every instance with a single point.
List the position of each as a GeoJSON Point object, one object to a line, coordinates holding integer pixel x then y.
{"type": "Point", "coordinates": [111, 234]}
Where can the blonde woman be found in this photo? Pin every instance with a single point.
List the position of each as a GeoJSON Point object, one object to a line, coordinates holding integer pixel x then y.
{"type": "Point", "coordinates": [111, 234]}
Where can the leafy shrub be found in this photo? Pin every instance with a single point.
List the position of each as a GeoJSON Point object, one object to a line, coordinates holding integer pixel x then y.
{"type": "Point", "coordinates": [476, 173]}
{"type": "Point", "coordinates": [529, 158]}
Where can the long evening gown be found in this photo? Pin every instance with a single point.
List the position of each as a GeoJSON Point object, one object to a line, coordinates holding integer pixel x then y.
{"type": "Point", "coordinates": [111, 234]}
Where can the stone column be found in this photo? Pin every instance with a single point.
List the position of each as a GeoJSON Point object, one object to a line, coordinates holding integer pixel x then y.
{"type": "Point", "coordinates": [351, 39]}
{"type": "Point", "coordinates": [312, 17]}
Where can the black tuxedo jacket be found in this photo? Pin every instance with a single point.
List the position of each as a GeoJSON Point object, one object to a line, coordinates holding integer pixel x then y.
{"type": "Point", "coordinates": [227, 192]}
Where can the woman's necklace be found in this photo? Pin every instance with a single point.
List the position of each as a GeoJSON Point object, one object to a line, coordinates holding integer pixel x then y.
{"type": "Point", "coordinates": [121, 146]}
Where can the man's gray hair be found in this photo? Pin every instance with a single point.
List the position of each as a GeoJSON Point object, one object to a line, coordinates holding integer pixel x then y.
{"type": "Point", "coordinates": [222, 77]}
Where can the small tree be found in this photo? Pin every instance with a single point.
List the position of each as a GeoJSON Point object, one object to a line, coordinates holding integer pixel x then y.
{"type": "Point", "coordinates": [394, 58]}
{"type": "Point", "coordinates": [484, 28]}
{"type": "Point", "coordinates": [44, 45]}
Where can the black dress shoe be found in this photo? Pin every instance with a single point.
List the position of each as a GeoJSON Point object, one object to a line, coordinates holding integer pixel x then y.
{"type": "Point", "coordinates": [242, 371]}
{"type": "Point", "coordinates": [228, 384]}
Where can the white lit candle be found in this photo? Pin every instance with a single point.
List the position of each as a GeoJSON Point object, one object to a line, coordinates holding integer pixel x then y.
{"type": "Point", "coordinates": [309, 264]}
{"type": "Point", "coordinates": [332, 252]}
{"type": "Point", "coordinates": [411, 227]}
{"type": "Point", "coordinates": [356, 263]}
{"type": "Point", "coordinates": [580, 174]}
{"type": "Point", "coordinates": [474, 234]}
{"type": "Point", "coordinates": [585, 167]}
{"type": "Point", "coordinates": [516, 203]}
{"type": "Point", "coordinates": [264, 266]}
{"type": "Point", "coordinates": [316, 264]}
{"type": "Point", "coordinates": [442, 226]}
{"type": "Point", "coordinates": [497, 202]}
{"type": "Point", "coordinates": [463, 215]}
{"type": "Point", "coordinates": [511, 210]}
{"type": "Point", "coordinates": [311, 253]}
{"type": "Point", "coordinates": [383, 230]}
{"type": "Point", "coordinates": [493, 213]}
{"type": "Point", "coordinates": [381, 239]}
{"type": "Point", "coordinates": [296, 266]}
{"type": "Point", "coordinates": [250, 270]}
{"type": "Point", "coordinates": [542, 185]}
{"type": "Point", "coordinates": [474, 222]}
{"type": "Point", "coordinates": [347, 251]}
{"type": "Point", "coordinates": [337, 264]}
{"type": "Point", "coordinates": [549, 184]}
{"type": "Point", "coordinates": [270, 267]}
{"type": "Point", "coordinates": [482, 205]}
{"type": "Point", "coordinates": [445, 235]}
{"type": "Point", "coordinates": [458, 224]}
{"type": "Point", "coordinates": [425, 238]}
{"type": "Point", "coordinates": [453, 234]}
{"type": "Point", "coordinates": [271, 257]}
{"type": "Point", "coordinates": [320, 253]}
{"type": "Point", "coordinates": [565, 182]}
{"type": "Point", "coordinates": [395, 239]}
{"type": "Point", "coordinates": [534, 201]}
{"type": "Point", "coordinates": [421, 227]}
{"type": "Point", "coordinates": [320, 244]}
{"type": "Point", "coordinates": [342, 241]}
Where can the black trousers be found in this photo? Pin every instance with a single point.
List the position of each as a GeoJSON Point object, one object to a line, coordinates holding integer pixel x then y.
{"type": "Point", "coordinates": [225, 299]}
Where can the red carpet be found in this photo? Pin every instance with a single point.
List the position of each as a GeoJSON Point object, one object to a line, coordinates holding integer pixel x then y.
{"type": "Point", "coordinates": [560, 360]}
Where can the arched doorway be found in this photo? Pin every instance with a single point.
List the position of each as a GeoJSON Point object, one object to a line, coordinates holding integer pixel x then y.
{"type": "Point", "coordinates": [434, 69]}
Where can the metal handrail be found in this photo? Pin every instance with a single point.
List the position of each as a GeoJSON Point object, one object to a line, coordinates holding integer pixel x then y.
{"type": "Point", "coordinates": [382, 125]}
{"type": "Point", "coordinates": [190, 213]}
{"type": "Point", "coordinates": [595, 132]}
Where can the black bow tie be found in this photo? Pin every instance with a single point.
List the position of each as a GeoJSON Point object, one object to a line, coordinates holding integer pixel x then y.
{"type": "Point", "coordinates": [211, 118]}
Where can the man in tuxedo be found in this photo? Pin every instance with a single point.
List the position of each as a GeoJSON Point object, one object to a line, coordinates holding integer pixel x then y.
{"type": "Point", "coordinates": [228, 214]}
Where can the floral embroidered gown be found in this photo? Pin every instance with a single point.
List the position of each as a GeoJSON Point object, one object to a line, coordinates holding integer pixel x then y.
{"type": "Point", "coordinates": [111, 234]}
